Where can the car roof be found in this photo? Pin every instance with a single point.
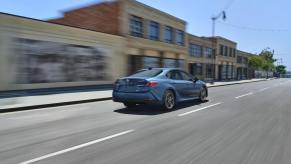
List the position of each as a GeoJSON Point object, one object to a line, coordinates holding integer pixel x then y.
{"type": "Point", "coordinates": [165, 69]}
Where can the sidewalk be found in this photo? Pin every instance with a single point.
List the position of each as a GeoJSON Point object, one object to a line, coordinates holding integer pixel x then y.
{"type": "Point", "coordinates": [53, 100]}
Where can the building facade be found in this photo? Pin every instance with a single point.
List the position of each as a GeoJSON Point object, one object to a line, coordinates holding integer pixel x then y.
{"type": "Point", "coordinates": [201, 58]}
{"type": "Point", "coordinates": [36, 54]}
{"type": "Point", "coordinates": [98, 43]}
{"type": "Point", "coordinates": [153, 38]}
{"type": "Point", "coordinates": [157, 39]}
{"type": "Point", "coordinates": [243, 69]}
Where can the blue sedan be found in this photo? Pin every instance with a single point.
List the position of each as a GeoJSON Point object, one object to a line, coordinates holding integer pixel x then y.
{"type": "Point", "coordinates": [161, 86]}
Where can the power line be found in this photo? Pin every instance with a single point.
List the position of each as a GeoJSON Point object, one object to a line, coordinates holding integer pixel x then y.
{"type": "Point", "coordinates": [255, 29]}
{"type": "Point", "coordinates": [228, 5]}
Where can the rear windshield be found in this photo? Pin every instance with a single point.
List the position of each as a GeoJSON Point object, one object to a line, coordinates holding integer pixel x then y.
{"type": "Point", "coordinates": [147, 73]}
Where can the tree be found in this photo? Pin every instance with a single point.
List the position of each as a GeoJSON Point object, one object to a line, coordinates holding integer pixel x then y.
{"type": "Point", "coordinates": [268, 55]}
{"type": "Point", "coordinates": [256, 62]}
{"type": "Point", "coordinates": [281, 69]}
{"type": "Point", "coordinates": [268, 60]}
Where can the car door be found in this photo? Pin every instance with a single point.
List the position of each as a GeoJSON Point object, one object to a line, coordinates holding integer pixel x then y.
{"type": "Point", "coordinates": [190, 90]}
{"type": "Point", "coordinates": [177, 82]}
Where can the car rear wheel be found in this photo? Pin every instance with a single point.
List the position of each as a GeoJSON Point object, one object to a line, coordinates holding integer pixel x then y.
{"type": "Point", "coordinates": [169, 100]}
{"type": "Point", "coordinates": [203, 95]}
{"type": "Point", "coordinates": [129, 105]}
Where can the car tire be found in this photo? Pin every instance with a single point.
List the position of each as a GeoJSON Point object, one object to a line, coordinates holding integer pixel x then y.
{"type": "Point", "coordinates": [169, 100]}
{"type": "Point", "coordinates": [129, 105]}
{"type": "Point", "coordinates": [203, 95]}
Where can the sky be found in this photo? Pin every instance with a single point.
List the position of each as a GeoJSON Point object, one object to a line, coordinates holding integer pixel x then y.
{"type": "Point", "coordinates": [253, 24]}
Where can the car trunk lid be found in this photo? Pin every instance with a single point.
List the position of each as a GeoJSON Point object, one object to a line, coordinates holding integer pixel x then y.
{"type": "Point", "coordinates": [131, 85]}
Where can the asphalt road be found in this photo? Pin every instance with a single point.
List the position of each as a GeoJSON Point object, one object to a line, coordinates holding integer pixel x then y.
{"type": "Point", "coordinates": [240, 124]}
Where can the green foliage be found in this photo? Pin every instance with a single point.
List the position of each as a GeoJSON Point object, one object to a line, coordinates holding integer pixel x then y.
{"type": "Point", "coordinates": [281, 69]}
{"type": "Point", "coordinates": [267, 56]}
{"type": "Point", "coordinates": [256, 62]}
{"type": "Point", "coordinates": [265, 60]}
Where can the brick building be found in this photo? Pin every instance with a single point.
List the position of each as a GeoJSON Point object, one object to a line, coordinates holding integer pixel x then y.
{"type": "Point", "coordinates": [157, 39]}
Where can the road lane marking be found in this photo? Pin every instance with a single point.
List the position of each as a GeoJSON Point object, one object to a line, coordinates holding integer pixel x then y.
{"type": "Point", "coordinates": [196, 110]}
{"type": "Point", "coordinates": [250, 93]}
{"type": "Point", "coordinates": [261, 90]}
{"type": "Point", "coordinates": [75, 147]}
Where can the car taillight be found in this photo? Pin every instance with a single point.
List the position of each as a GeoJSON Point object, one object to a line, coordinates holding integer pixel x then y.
{"type": "Point", "coordinates": [152, 84]}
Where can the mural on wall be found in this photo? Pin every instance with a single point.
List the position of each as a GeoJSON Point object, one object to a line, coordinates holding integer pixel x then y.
{"type": "Point", "coordinates": [51, 62]}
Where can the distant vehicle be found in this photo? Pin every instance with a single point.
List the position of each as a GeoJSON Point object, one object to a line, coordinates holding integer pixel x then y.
{"type": "Point", "coordinates": [161, 86]}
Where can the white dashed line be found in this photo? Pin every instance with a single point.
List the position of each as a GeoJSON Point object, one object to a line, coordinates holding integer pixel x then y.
{"type": "Point", "coordinates": [196, 110]}
{"type": "Point", "coordinates": [250, 93]}
{"type": "Point", "coordinates": [261, 90]}
{"type": "Point", "coordinates": [75, 147]}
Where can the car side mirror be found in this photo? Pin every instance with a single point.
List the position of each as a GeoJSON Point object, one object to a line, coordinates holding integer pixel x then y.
{"type": "Point", "coordinates": [195, 79]}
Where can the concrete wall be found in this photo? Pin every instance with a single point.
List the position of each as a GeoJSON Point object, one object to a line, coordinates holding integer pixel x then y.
{"type": "Point", "coordinates": [12, 27]}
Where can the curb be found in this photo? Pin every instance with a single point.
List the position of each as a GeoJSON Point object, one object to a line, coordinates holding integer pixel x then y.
{"type": "Point", "coordinates": [32, 107]}
{"type": "Point", "coordinates": [15, 109]}
{"type": "Point", "coordinates": [236, 83]}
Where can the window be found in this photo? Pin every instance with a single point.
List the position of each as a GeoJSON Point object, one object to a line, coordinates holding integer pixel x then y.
{"type": "Point", "coordinates": [239, 59]}
{"type": "Point", "coordinates": [225, 51]}
{"type": "Point", "coordinates": [154, 29]}
{"type": "Point", "coordinates": [135, 63]}
{"type": "Point", "coordinates": [229, 71]}
{"type": "Point", "coordinates": [180, 37]}
{"type": "Point", "coordinates": [234, 52]}
{"type": "Point", "coordinates": [175, 75]}
{"type": "Point", "coordinates": [136, 26]}
{"type": "Point", "coordinates": [169, 63]}
{"type": "Point", "coordinates": [151, 62]}
{"type": "Point", "coordinates": [185, 76]}
{"type": "Point", "coordinates": [195, 50]}
{"type": "Point", "coordinates": [221, 49]}
{"type": "Point", "coordinates": [147, 73]}
{"type": "Point", "coordinates": [224, 69]}
{"type": "Point", "coordinates": [245, 60]}
{"type": "Point", "coordinates": [181, 64]}
{"type": "Point", "coordinates": [208, 52]}
{"type": "Point", "coordinates": [168, 34]}
{"type": "Point", "coordinates": [230, 51]}
{"type": "Point", "coordinates": [196, 69]}
{"type": "Point", "coordinates": [210, 70]}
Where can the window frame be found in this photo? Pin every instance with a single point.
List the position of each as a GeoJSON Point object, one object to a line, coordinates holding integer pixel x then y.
{"type": "Point", "coordinates": [174, 71]}
{"type": "Point", "coordinates": [156, 26]}
{"type": "Point", "coordinates": [208, 49]}
{"type": "Point", "coordinates": [180, 33]}
{"type": "Point", "coordinates": [136, 31]}
{"type": "Point", "coordinates": [193, 49]}
{"type": "Point", "coordinates": [170, 30]}
{"type": "Point", "coordinates": [187, 74]}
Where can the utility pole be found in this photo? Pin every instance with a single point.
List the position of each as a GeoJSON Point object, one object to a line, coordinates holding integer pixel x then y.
{"type": "Point", "coordinates": [221, 14]}
{"type": "Point", "coordinates": [214, 18]}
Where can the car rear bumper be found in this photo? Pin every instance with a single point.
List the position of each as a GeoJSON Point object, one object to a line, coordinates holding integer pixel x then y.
{"type": "Point", "coordinates": [139, 98]}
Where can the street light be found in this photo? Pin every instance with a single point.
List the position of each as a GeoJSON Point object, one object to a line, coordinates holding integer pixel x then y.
{"type": "Point", "coordinates": [223, 15]}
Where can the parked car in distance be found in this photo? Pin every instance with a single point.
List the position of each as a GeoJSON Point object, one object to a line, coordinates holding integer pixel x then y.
{"type": "Point", "coordinates": [162, 86]}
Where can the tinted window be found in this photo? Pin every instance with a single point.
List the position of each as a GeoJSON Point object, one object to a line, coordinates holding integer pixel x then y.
{"type": "Point", "coordinates": [185, 76]}
{"type": "Point", "coordinates": [147, 73]}
{"type": "Point", "coordinates": [175, 75]}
